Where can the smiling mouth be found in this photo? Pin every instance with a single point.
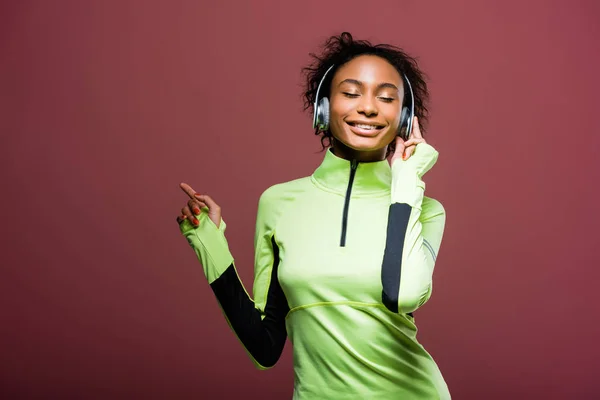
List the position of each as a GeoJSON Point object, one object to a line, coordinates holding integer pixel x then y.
{"type": "Point", "coordinates": [367, 130]}
{"type": "Point", "coordinates": [366, 126]}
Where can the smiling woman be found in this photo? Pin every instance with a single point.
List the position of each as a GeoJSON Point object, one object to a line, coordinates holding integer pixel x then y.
{"type": "Point", "coordinates": [350, 248]}
{"type": "Point", "coordinates": [368, 79]}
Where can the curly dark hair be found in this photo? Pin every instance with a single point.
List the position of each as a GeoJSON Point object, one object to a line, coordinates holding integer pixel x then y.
{"type": "Point", "coordinates": [339, 50]}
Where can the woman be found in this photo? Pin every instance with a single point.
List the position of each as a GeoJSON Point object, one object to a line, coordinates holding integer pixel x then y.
{"type": "Point", "coordinates": [342, 257]}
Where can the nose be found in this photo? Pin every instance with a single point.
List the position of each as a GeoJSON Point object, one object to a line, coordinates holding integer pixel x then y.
{"type": "Point", "coordinates": [367, 106]}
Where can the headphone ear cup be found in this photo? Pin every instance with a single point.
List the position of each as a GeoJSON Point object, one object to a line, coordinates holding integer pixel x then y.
{"type": "Point", "coordinates": [403, 119]}
{"type": "Point", "coordinates": [323, 114]}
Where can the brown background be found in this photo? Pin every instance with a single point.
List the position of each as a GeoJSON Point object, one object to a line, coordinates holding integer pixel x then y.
{"type": "Point", "coordinates": [107, 105]}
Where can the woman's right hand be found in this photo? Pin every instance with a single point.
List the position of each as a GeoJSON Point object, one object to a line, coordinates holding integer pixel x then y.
{"type": "Point", "coordinates": [194, 207]}
{"type": "Point", "coordinates": [426, 156]}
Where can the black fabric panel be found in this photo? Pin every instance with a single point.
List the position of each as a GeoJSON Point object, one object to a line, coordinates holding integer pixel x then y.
{"type": "Point", "coordinates": [263, 338]}
{"type": "Point", "coordinates": [392, 257]}
{"type": "Point", "coordinates": [353, 167]}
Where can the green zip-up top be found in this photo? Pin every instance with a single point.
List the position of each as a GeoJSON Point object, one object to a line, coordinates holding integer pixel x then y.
{"type": "Point", "coordinates": [342, 259]}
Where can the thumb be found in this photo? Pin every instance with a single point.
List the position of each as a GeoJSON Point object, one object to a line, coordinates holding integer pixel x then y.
{"type": "Point", "coordinates": [214, 211]}
{"type": "Point", "coordinates": [399, 150]}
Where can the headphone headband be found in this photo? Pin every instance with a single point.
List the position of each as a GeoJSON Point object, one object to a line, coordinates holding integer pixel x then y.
{"type": "Point", "coordinates": [316, 105]}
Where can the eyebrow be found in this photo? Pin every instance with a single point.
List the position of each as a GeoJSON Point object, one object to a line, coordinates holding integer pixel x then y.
{"type": "Point", "coordinates": [380, 86]}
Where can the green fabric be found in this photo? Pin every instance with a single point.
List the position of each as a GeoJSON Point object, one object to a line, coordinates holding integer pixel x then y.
{"type": "Point", "coordinates": [209, 244]}
{"type": "Point", "coordinates": [346, 343]}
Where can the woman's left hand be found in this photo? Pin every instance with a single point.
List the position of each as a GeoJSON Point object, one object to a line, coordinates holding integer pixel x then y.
{"type": "Point", "coordinates": [405, 149]}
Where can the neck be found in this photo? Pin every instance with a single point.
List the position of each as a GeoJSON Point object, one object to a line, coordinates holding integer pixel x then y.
{"type": "Point", "coordinates": [342, 151]}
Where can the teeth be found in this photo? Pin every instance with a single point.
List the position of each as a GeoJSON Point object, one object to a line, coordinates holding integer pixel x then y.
{"type": "Point", "coordinates": [365, 126]}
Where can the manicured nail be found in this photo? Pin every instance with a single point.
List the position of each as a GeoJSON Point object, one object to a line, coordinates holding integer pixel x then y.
{"type": "Point", "coordinates": [196, 210]}
{"type": "Point", "coordinates": [196, 222]}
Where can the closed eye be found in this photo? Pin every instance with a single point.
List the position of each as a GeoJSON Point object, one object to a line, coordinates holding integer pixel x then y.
{"type": "Point", "coordinates": [354, 95]}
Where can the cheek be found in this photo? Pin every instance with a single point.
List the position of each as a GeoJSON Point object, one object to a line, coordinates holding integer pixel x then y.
{"type": "Point", "coordinates": [390, 135]}
{"type": "Point", "coordinates": [392, 115]}
{"type": "Point", "coordinates": [339, 109]}
{"type": "Point", "coordinates": [393, 120]}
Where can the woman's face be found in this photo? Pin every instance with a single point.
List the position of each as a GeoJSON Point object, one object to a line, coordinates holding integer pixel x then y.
{"type": "Point", "coordinates": [365, 106]}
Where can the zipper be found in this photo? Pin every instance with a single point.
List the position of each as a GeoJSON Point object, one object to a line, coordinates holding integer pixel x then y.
{"type": "Point", "coordinates": [353, 166]}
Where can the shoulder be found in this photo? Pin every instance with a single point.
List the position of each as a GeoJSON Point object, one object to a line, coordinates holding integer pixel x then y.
{"type": "Point", "coordinates": [276, 198]}
{"type": "Point", "coordinates": [285, 191]}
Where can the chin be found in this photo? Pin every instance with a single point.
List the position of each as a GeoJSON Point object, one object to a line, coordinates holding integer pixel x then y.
{"type": "Point", "coordinates": [364, 144]}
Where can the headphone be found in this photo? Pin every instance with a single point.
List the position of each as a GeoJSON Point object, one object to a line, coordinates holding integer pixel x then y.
{"type": "Point", "coordinates": [321, 109]}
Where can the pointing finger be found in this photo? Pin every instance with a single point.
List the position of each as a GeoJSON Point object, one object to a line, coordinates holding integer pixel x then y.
{"type": "Point", "coordinates": [417, 129]}
{"type": "Point", "coordinates": [187, 189]}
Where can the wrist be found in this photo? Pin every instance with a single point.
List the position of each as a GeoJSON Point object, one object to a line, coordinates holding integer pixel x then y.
{"type": "Point", "coordinates": [407, 185]}
{"type": "Point", "coordinates": [422, 160]}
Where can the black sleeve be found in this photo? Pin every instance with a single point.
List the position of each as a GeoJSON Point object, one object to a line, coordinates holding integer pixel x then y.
{"type": "Point", "coordinates": [263, 337]}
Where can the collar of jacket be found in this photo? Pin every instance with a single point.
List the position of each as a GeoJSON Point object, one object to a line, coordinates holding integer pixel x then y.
{"type": "Point", "coordinates": [370, 178]}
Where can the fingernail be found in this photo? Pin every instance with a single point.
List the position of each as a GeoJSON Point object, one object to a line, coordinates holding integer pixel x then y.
{"type": "Point", "coordinates": [196, 222]}
{"type": "Point", "coordinates": [196, 211]}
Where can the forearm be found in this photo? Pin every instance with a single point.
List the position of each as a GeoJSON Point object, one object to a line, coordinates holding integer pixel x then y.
{"type": "Point", "coordinates": [262, 334]}
{"type": "Point", "coordinates": [406, 271]}
{"type": "Point", "coordinates": [414, 265]}
{"type": "Point", "coordinates": [411, 246]}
